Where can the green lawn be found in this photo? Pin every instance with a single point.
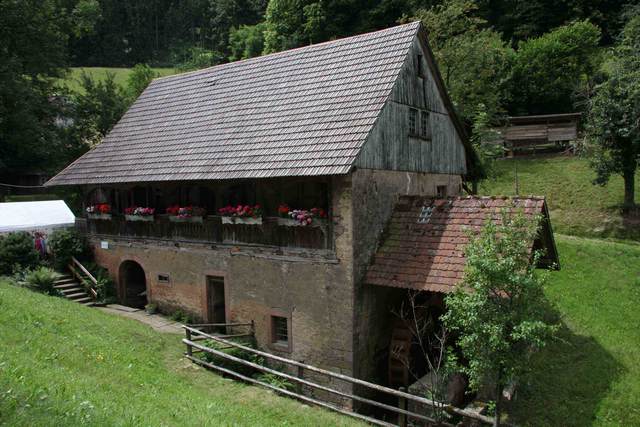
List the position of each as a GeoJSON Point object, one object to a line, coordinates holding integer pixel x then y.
{"type": "Point", "coordinates": [72, 80]}
{"type": "Point", "coordinates": [591, 374]}
{"type": "Point", "coordinates": [577, 206]}
{"type": "Point", "coordinates": [63, 364]}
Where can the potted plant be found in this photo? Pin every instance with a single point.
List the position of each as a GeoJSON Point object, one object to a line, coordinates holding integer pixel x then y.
{"type": "Point", "coordinates": [137, 213]}
{"type": "Point", "coordinates": [313, 217]}
{"type": "Point", "coordinates": [241, 214]}
{"type": "Point", "coordinates": [186, 213]}
{"type": "Point", "coordinates": [99, 211]}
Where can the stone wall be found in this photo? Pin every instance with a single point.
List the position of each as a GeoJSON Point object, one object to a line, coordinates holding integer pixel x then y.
{"type": "Point", "coordinates": [375, 193]}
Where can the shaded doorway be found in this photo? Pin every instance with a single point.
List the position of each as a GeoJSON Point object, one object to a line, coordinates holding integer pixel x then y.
{"type": "Point", "coordinates": [133, 285]}
{"type": "Point", "coordinates": [216, 307]}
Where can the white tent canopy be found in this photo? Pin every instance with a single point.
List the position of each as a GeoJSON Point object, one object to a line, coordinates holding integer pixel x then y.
{"type": "Point", "coordinates": [35, 216]}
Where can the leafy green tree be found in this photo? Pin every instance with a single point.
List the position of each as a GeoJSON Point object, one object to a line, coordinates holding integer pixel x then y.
{"type": "Point", "coordinates": [497, 312]}
{"type": "Point", "coordinates": [138, 80]}
{"type": "Point", "coordinates": [32, 54]}
{"type": "Point", "coordinates": [474, 61]}
{"type": "Point", "coordinates": [100, 105]}
{"type": "Point", "coordinates": [548, 70]}
{"type": "Point", "coordinates": [613, 127]}
{"type": "Point", "coordinates": [247, 41]}
{"type": "Point", "coordinates": [293, 23]}
{"type": "Point", "coordinates": [484, 138]}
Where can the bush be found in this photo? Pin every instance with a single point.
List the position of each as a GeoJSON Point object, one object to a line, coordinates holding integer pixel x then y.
{"type": "Point", "coordinates": [181, 317]}
{"type": "Point", "coordinates": [105, 287]}
{"type": "Point", "coordinates": [65, 244]}
{"type": "Point", "coordinates": [17, 250]}
{"type": "Point", "coordinates": [42, 279]}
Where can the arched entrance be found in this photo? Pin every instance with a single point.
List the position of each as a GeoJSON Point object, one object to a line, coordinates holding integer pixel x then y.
{"type": "Point", "coordinates": [133, 284]}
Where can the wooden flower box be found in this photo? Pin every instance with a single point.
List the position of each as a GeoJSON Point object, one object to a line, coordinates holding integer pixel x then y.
{"type": "Point", "coordinates": [143, 218]}
{"type": "Point", "coordinates": [290, 222]}
{"type": "Point", "coordinates": [99, 216]}
{"type": "Point", "coordinates": [240, 220]}
{"type": "Point", "coordinates": [192, 219]}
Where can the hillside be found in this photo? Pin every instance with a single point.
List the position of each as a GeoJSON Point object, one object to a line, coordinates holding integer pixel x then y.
{"type": "Point", "coordinates": [590, 375]}
{"type": "Point", "coordinates": [577, 207]}
{"type": "Point", "coordinates": [65, 364]}
{"type": "Point", "coordinates": [72, 80]}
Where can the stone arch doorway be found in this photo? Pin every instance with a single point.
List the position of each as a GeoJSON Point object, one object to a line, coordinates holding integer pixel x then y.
{"type": "Point", "coordinates": [133, 284]}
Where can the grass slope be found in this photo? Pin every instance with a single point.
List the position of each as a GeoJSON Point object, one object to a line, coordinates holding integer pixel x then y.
{"type": "Point", "coordinates": [72, 80]}
{"type": "Point", "coordinates": [591, 374]}
{"type": "Point", "coordinates": [576, 206]}
{"type": "Point", "coordinates": [65, 364]}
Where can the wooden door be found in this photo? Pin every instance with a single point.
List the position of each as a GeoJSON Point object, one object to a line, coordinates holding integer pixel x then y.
{"type": "Point", "coordinates": [216, 307]}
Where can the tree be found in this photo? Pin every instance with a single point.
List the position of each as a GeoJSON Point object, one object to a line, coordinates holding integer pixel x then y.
{"type": "Point", "coordinates": [613, 127]}
{"type": "Point", "coordinates": [497, 311]}
{"type": "Point", "coordinates": [139, 79]}
{"type": "Point", "coordinates": [32, 54]}
{"type": "Point", "coordinates": [247, 41]}
{"type": "Point", "coordinates": [474, 61]}
{"type": "Point", "coordinates": [548, 70]}
{"type": "Point", "coordinates": [97, 108]}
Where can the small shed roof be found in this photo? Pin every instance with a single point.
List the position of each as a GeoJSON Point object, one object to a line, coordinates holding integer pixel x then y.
{"type": "Point", "coordinates": [35, 216]}
{"type": "Point", "coordinates": [426, 238]}
{"type": "Point", "coordinates": [300, 112]}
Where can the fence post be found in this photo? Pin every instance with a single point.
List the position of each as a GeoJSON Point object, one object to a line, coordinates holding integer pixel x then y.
{"type": "Point", "coordinates": [402, 404]}
{"type": "Point", "coordinates": [189, 349]}
{"type": "Point", "coordinates": [301, 376]}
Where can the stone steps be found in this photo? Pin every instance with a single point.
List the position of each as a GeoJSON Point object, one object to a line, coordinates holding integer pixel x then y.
{"type": "Point", "coordinates": [73, 291]}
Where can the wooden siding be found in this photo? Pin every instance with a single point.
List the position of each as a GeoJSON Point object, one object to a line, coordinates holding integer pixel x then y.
{"type": "Point", "coordinates": [389, 145]}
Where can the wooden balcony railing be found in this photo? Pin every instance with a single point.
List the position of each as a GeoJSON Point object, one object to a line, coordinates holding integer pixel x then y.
{"type": "Point", "coordinates": [212, 230]}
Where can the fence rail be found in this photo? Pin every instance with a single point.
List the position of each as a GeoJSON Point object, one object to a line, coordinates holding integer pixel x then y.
{"type": "Point", "coordinates": [193, 333]}
{"type": "Point", "coordinates": [84, 276]}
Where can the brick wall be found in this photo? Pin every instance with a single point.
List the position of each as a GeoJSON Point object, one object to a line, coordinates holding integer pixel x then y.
{"type": "Point", "coordinates": [315, 292]}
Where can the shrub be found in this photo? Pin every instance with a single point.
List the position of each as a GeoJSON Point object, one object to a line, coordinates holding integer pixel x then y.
{"type": "Point", "coordinates": [65, 244]}
{"type": "Point", "coordinates": [105, 287]}
{"type": "Point", "coordinates": [42, 279]}
{"type": "Point", "coordinates": [17, 250]}
{"type": "Point", "coordinates": [181, 317]}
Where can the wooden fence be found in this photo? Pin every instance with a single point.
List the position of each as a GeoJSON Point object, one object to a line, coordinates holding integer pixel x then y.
{"type": "Point", "coordinates": [194, 333]}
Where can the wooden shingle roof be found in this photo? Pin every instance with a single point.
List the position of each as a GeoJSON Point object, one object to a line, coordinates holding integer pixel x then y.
{"type": "Point", "coordinates": [424, 243]}
{"type": "Point", "coordinates": [301, 112]}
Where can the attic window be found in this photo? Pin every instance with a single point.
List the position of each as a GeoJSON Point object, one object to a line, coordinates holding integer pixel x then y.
{"type": "Point", "coordinates": [425, 131]}
{"type": "Point", "coordinates": [419, 66]}
{"type": "Point", "coordinates": [413, 121]}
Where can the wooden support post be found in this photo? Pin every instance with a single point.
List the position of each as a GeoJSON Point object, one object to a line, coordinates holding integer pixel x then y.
{"type": "Point", "coordinates": [189, 349]}
{"type": "Point", "coordinates": [402, 404]}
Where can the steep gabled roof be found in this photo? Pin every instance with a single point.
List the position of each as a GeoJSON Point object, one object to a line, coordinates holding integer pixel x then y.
{"type": "Point", "coordinates": [425, 240]}
{"type": "Point", "coordinates": [305, 111]}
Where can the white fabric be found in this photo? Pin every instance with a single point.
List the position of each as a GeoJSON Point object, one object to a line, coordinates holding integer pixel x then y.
{"type": "Point", "coordinates": [35, 216]}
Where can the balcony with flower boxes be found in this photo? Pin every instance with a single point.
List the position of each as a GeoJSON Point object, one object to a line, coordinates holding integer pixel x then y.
{"type": "Point", "coordinates": [278, 225]}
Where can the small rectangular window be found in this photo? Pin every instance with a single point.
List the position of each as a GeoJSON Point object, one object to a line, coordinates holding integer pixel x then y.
{"type": "Point", "coordinates": [280, 331]}
{"type": "Point", "coordinates": [441, 191]}
{"type": "Point", "coordinates": [424, 125]}
{"type": "Point", "coordinates": [413, 121]}
{"type": "Point", "coordinates": [163, 278]}
{"type": "Point", "coordinates": [419, 65]}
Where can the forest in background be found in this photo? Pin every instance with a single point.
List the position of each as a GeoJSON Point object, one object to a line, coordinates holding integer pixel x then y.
{"type": "Point", "coordinates": [497, 57]}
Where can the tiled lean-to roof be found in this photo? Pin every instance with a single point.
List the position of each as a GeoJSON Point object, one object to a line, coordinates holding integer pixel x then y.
{"type": "Point", "coordinates": [305, 111]}
{"type": "Point", "coordinates": [423, 247]}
